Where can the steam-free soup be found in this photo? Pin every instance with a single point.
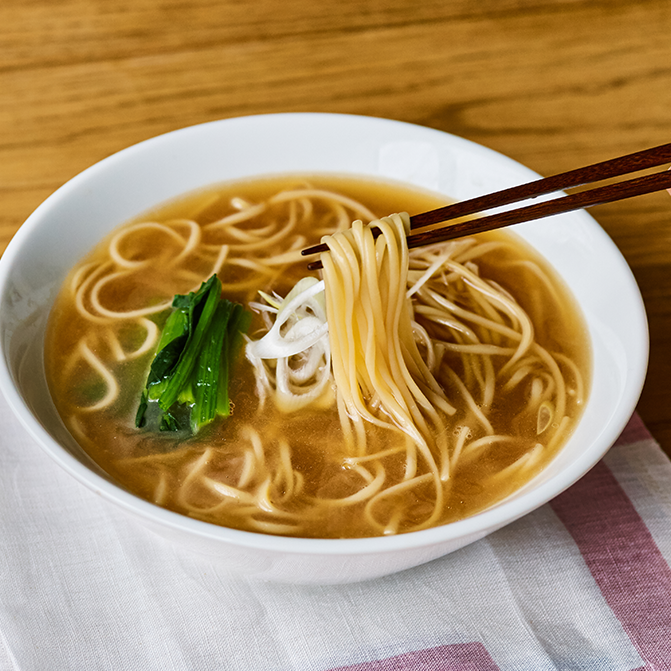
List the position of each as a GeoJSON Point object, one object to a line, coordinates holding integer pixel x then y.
{"type": "Point", "coordinates": [487, 377]}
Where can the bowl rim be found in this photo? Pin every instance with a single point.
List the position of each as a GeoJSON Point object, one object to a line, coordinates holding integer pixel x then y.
{"type": "Point", "coordinates": [474, 526]}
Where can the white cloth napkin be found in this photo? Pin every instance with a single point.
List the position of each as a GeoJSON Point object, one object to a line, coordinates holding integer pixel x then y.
{"type": "Point", "coordinates": [83, 587]}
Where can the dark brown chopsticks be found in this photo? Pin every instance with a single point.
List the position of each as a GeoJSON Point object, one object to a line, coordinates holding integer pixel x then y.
{"type": "Point", "coordinates": [623, 165]}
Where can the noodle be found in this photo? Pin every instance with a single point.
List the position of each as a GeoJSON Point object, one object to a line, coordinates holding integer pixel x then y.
{"type": "Point", "coordinates": [408, 389]}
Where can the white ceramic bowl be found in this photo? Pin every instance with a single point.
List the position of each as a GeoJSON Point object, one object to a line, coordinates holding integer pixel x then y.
{"type": "Point", "coordinates": [79, 214]}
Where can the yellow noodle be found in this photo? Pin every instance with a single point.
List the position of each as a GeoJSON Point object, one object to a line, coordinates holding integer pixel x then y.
{"type": "Point", "coordinates": [422, 343]}
{"type": "Point", "coordinates": [109, 379]}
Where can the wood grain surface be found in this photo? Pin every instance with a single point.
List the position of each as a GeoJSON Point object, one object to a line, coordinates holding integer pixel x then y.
{"type": "Point", "coordinates": [554, 84]}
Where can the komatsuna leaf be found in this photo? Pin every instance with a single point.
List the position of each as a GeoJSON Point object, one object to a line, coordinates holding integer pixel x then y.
{"type": "Point", "coordinates": [190, 370]}
{"type": "Point", "coordinates": [199, 327]}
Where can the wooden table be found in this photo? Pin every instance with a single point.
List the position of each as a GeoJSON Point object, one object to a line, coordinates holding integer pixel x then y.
{"type": "Point", "coordinates": [554, 84]}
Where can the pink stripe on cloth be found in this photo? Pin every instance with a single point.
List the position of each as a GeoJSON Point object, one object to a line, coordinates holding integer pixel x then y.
{"type": "Point", "coordinates": [633, 432]}
{"type": "Point", "coordinates": [624, 560]}
{"type": "Point", "coordinates": [456, 657]}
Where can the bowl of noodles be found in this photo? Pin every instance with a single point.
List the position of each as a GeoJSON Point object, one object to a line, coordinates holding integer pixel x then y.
{"type": "Point", "coordinates": [165, 343]}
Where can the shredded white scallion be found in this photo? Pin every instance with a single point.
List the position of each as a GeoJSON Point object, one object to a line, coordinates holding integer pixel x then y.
{"type": "Point", "coordinates": [292, 362]}
{"type": "Point", "coordinates": [304, 313]}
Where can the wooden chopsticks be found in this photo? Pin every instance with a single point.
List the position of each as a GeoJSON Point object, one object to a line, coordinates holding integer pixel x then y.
{"type": "Point", "coordinates": [597, 172]}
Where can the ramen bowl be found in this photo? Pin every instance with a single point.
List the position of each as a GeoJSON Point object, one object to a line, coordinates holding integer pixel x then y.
{"type": "Point", "coordinates": [76, 217]}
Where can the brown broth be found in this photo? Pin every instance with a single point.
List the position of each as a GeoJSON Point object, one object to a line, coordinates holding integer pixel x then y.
{"type": "Point", "coordinates": [315, 436]}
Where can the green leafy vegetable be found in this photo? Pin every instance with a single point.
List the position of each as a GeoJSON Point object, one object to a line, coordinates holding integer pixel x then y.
{"type": "Point", "coordinates": [191, 367]}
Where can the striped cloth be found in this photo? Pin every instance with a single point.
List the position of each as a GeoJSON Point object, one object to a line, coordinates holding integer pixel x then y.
{"type": "Point", "coordinates": [582, 583]}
